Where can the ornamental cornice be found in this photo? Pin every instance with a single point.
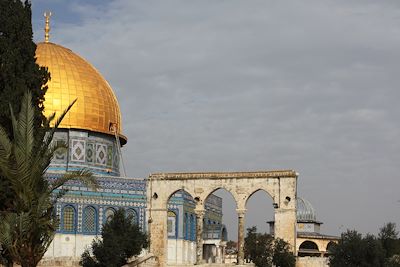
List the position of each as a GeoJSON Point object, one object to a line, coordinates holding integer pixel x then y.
{"type": "Point", "coordinates": [224, 175]}
{"type": "Point", "coordinates": [87, 201]}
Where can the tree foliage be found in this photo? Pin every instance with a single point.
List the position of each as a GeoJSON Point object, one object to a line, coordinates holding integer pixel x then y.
{"type": "Point", "coordinates": [388, 235]}
{"type": "Point", "coordinates": [282, 255]}
{"type": "Point", "coordinates": [264, 251]}
{"type": "Point", "coordinates": [19, 72]}
{"type": "Point", "coordinates": [353, 250]}
{"type": "Point", "coordinates": [121, 240]}
{"type": "Point", "coordinates": [28, 225]}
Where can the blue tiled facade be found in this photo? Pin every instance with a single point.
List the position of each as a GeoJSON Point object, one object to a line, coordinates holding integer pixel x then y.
{"type": "Point", "coordinates": [83, 210]}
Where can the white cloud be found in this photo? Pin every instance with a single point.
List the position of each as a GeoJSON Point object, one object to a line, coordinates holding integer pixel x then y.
{"type": "Point", "coordinates": [249, 85]}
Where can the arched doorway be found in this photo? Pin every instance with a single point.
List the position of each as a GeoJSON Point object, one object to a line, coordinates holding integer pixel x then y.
{"type": "Point", "coordinates": [219, 223]}
{"type": "Point", "coordinates": [259, 219]}
{"type": "Point", "coordinates": [260, 211]}
{"type": "Point", "coordinates": [181, 244]}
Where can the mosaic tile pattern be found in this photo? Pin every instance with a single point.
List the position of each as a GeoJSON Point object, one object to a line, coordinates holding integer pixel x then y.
{"type": "Point", "coordinates": [101, 154]}
{"type": "Point", "coordinates": [78, 150]}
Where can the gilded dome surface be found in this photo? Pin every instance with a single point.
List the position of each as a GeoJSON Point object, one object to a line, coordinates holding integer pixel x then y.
{"type": "Point", "coordinates": [72, 77]}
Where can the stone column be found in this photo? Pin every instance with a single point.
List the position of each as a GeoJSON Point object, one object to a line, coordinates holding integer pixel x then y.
{"type": "Point", "coordinates": [241, 224]}
{"type": "Point", "coordinates": [285, 212]}
{"type": "Point", "coordinates": [218, 254]}
{"type": "Point", "coordinates": [223, 253]}
{"type": "Point", "coordinates": [199, 236]}
{"type": "Point", "coordinates": [158, 235]}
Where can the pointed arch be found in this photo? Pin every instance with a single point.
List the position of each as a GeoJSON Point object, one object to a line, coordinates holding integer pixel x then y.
{"type": "Point", "coordinates": [259, 210]}
{"type": "Point", "coordinates": [89, 220]}
{"type": "Point", "coordinates": [68, 219]}
{"type": "Point", "coordinates": [109, 214]}
{"type": "Point", "coordinates": [255, 191]}
{"type": "Point", "coordinates": [133, 214]}
{"type": "Point", "coordinates": [221, 188]}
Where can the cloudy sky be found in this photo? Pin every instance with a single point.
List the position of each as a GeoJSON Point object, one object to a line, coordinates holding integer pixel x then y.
{"type": "Point", "coordinates": [218, 85]}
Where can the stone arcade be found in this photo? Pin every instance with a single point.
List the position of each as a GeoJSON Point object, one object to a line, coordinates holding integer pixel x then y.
{"type": "Point", "coordinates": [280, 185]}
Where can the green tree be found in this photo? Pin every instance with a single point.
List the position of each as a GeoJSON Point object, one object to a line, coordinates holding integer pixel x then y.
{"type": "Point", "coordinates": [264, 251]}
{"type": "Point", "coordinates": [353, 250]}
{"type": "Point", "coordinates": [389, 239]}
{"type": "Point", "coordinates": [121, 240]}
{"type": "Point", "coordinates": [19, 74]}
{"type": "Point", "coordinates": [28, 227]}
{"type": "Point", "coordinates": [282, 256]}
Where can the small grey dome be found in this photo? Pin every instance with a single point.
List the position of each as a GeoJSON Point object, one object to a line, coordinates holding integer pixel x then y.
{"type": "Point", "coordinates": [305, 211]}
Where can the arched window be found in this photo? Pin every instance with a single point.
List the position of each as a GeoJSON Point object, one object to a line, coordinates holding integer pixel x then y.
{"type": "Point", "coordinates": [329, 247]}
{"type": "Point", "coordinates": [109, 214]}
{"type": "Point", "coordinates": [171, 224]}
{"type": "Point", "coordinates": [309, 248]}
{"type": "Point", "coordinates": [192, 228]}
{"type": "Point", "coordinates": [68, 219]}
{"type": "Point", "coordinates": [224, 236]}
{"type": "Point", "coordinates": [133, 214]}
{"type": "Point", "coordinates": [89, 220]}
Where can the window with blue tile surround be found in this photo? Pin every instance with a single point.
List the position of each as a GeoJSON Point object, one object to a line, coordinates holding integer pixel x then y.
{"type": "Point", "coordinates": [132, 213]}
{"type": "Point", "coordinates": [89, 220]}
{"type": "Point", "coordinates": [68, 223]}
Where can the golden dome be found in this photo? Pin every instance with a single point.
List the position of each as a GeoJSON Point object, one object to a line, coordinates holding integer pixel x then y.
{"type": "Point", "coordinates": [72, 77]}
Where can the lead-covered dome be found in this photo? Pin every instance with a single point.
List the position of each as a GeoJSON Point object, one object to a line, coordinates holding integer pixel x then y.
{"type": "Point", "coordinates": [72, 77]}
{"type": "Point", "coordinates": [305, 211]}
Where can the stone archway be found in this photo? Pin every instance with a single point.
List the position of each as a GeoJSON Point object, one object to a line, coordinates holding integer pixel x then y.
{"type": "Point", "coordinates": [280, 185]}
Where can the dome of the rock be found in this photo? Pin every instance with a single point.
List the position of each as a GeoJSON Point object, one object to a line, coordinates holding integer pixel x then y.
{"type": "Point", "coordinates": [72, 77]}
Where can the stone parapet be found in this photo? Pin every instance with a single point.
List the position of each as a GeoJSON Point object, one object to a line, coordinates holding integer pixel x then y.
{"type": "Point", "coordinates": [312, 262]}
{"type": "Point", "coordinates": [59, 261]}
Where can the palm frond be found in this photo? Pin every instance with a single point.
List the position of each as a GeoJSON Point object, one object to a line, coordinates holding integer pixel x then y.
{"type": "Point", "coordinates": [26, 127]}
{"type": "Point", "coordinates": [27, 229]}
{"type": "Point", "coordinates": [23, 142]}
{"type": "Point", "coordinates": [49, 119]}
{"type": "Point", "coordinates": [50, 135]}
{"type": "Point", "coordinates": [14, 122]}
{"type": "Point", "coordinates": [5, 148]}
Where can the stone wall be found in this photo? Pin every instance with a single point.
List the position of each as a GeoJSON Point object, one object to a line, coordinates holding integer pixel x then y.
{"type": "Point", "coordinates": [60, 261]}
{"type": "Point", "coordinates": [311, 262]}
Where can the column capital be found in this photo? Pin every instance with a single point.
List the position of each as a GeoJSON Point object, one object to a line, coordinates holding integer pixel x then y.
{"type": "Point", "coordinates": [241, 212]}
{"type": "Point", "coordinates": [199, 212]}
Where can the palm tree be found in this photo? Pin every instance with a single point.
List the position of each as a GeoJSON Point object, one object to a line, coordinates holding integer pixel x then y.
{"type": "Point", "coordinates": [28, 225]}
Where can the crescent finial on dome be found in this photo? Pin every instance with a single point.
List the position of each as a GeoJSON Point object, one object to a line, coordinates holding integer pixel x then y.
{"type": "Point", "coordinates": [47, 15]}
